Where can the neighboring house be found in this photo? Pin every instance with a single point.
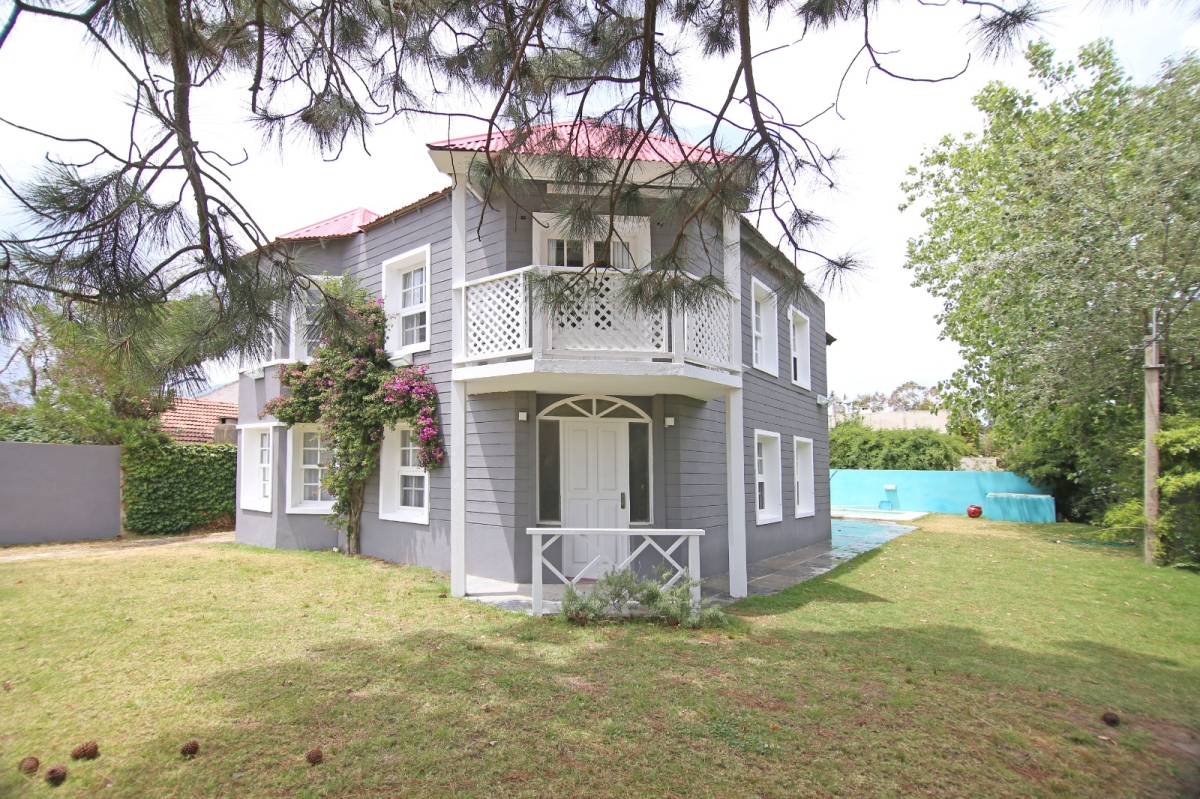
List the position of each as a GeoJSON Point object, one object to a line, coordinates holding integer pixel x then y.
{"type": "Point", "coordinates": [226, 392]}
{"type": "Point", "coordinates": [593, 418]}
{"type": "Point", "coordinates": [193, 421]}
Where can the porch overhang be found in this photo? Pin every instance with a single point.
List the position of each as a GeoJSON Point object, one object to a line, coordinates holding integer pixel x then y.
{"type": "Point", "coordinates": [597, 376]}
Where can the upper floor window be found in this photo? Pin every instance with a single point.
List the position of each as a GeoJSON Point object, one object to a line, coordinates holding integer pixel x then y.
{"type": "Point", "coordinates": [628, 247]}
{"type": "Point", "coordinates": [765, 330]}
{"type": "Point", "coordinates": [406, 281]}
{"type": "Point", "coordinates": [305, 332]}
{"type": "Point", "coordinates": [801, 349]}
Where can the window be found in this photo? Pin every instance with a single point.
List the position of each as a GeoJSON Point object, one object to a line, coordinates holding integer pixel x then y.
{"type": "Point", "coordinates": [806, 500]}
{"type": "Point", "coordinates": [406, 300]}
{"type": "Point", "coordinates": [404, 485]}
{"type": "Point", "coordinates": [639, 473]}
{"type": "Point", "coordinates": [305, 332]}
{"type": "Point", "coordinates": [549, 471]}
{"type": "Point", "coordinates": [765, 328]}
{"type": "Point", "coordinates": [628, 247]}
{"type": "Point", "coordinates": [800, 346]}
{"type": "Point", "coordinates": [308, 465]}
{"type": "Point", "coordinates": [768, 505]}
{"type": "Point", "coordinates": [255, 454]}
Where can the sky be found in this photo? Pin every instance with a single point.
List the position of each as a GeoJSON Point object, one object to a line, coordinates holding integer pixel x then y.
{"type": "Point", "coordinates": [886, 329]}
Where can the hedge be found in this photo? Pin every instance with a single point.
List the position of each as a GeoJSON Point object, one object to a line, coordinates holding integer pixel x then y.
{"type": "Point", "coordinates": [173, 488]}
{"type": "Point", "coordinates": [853, 445]}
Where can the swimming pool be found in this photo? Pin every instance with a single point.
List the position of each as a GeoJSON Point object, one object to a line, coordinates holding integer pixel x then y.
{"type": "Point", "coordinates": [852, 537]}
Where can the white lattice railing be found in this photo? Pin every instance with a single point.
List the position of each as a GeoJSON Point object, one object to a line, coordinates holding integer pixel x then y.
{"type": "Point", "coordinates": [499, 322]}
{"type": "Point", "coordinates": [497, 316]}
{"type": "Point", "coordinates": [544, 537]}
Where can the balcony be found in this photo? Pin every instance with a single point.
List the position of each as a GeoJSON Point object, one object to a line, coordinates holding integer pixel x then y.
{"type": "Point", "coordinates": [508, 344]}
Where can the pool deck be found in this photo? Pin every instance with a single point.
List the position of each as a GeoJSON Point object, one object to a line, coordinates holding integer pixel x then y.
{"type": "Point", "coordinates": [851, 538]}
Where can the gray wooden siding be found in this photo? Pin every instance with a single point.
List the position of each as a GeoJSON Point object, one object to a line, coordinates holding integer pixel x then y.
{"type": "Point", "coordinates": [778, 405]}
{"type": "Point", "coordinates": [695, 476]}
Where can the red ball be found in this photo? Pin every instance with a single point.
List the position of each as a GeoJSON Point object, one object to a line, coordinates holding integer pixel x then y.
{"type": "Point", "coordinates": [974, 511]}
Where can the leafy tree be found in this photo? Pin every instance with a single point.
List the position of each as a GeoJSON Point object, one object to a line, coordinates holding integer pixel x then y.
{"type": "Point", "coordinates": [853, 445]}
{"type": "Point", "coordinates": [1051, 238]}
{"type": "Point", "coordinates": [128, 228]}
{"type": "Point", "coordinates": [912, 396]}
{"type": "Point", "coordinates": [352, 391]}
{"type": "Point", "coordinates": [872, 403]}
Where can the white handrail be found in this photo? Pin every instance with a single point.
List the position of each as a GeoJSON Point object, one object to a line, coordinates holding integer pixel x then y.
{"type": "Point", "coordinates": [690, 535]}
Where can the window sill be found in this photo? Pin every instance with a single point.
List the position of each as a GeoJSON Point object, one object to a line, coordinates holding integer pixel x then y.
{"type": "Point", "coordinates": [408, 517]}
{"type": "Point", "coordinates": [807, 387]}
{"type": "Point", "coordinates": [253, 509]}
{"type": "Point", "coordinates": [758, 368]}
{"type": "Point", "coordinates": [763, 519]}
{"type": "Point", "coordinates": [807, 514]}
{"type": "Point", "coordinates": [315, 509]}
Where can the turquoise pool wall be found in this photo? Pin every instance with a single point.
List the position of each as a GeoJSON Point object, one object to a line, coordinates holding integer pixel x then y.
{"type": "Point", "coordinates": [935, 492]}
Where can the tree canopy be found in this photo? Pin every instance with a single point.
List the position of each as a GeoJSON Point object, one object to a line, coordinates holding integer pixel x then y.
{"type": "Point", "coordinates": [128, 226]}
{"type": "Point", "coordinates": [1052, 238]}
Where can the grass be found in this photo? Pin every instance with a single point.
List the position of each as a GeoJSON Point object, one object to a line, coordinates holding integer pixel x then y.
{"type": "Point", "coordinates": [966, 659]}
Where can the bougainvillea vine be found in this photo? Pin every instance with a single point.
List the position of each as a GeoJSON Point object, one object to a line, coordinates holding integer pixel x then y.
{"type": "Point", "coordinates": [351, 390]}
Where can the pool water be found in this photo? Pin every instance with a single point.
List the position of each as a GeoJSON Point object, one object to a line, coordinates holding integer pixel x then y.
{"type": "Point", "coordinates": [852, 537]}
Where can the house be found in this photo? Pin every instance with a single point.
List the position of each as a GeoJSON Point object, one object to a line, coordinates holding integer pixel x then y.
{"type": "Point", "coordinates": [708, 422]}
{"type": "Point", "coordinates": [191, 420]}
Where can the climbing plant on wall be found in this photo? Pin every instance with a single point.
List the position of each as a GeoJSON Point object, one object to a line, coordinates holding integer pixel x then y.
{"type": "Point", "coordinates": [352, 391]}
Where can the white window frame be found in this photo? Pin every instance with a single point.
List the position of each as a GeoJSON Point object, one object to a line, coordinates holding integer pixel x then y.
{"type": "Point", "coordinates": [252, 484]}
{"type": "Point", "coordinates": [764, 328]}
{"type": "Point", "coordinates": [295, 474]}
{"type": "Point", "coordinates": [394, 270]}
{"type": "Point", "coordinates": [800, 363]}
{"type": "Point", "coordinates": [768, 471]}
{"type": "Point", "coordinates": [633, 230]}
{"type": "Point", "coordinates": [390, 472]}
{"type": "Point", "coordinates": [297, 342]}
{"type": "Point", "coordinates": [804, 477]}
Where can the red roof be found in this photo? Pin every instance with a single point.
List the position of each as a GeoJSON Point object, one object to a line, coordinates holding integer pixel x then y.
{"type": "Point", "coordinates": [335, 227]}
{"type": "Point", "coordinates": [192, 420]}
{"type": "Point", "coordinates": [588, 139]}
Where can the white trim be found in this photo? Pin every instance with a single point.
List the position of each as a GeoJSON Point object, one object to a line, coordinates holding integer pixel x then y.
{"type": "Point", "coordinates": [764, 358]}
{"type": "Point", "coordinates": [768, 469]}
{"type": "Point", "coordinates": [393, 271]}
{"type": "Point", "coordinates": [390, 471]}
{"type": "Point", "coordinates": [735, 491]}
{"type": "Point", "coordinates": [633, 230]}
{"type": "Point", "coordinates": [250, 479]}
{"type": "Point", "coordinates": [804, 480]}
{"type": "Point", "coordinates": [250, 425]}
{"type": "Point", "coordinates": [458, 487]}
{"type": "Point", "coordinates": [295, 505]}
{"type": "Point", "coordinates": [805, 369]}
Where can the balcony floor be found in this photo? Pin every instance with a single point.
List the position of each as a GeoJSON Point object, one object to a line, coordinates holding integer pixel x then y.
{"type": "Point", "coordinates": [597, 375]}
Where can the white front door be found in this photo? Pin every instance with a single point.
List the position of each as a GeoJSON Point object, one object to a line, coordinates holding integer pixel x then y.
{"type": "Point", "coordinates": [595, 487]}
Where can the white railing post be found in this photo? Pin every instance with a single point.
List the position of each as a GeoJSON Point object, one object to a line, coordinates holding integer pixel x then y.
{"type": "Point", "coordinates": [678, 339]}
{"type": "Point", "coordinates": [694, 565]}
{"type": "Point", "coordinates": [537, 321]}
{"type": "Point", "coordinates": [537, 574]}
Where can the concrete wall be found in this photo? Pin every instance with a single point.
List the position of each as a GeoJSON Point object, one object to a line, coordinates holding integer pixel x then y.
{"type": "Point", "coordinates": [58, 492]}
{"type": "Point", "coordinates": [906, 420]}
{"type": "Point", "coordinates": [932, 491]}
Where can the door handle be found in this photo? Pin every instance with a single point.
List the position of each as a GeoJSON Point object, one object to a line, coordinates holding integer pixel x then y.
{"type": "Point", "coordinates": [622, 500]}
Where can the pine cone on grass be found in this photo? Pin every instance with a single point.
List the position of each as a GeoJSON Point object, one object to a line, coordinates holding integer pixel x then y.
{"type": "Point", "coordinates": [86, 751]}
{"type": "Point", "coordinates": [190, 749]}
{"type": "Point", "coordinates": [29, 765]}
{"type": "Point", "coordinates": [55, 775]}
{"type": "Point", "coordinates": [314, 756]}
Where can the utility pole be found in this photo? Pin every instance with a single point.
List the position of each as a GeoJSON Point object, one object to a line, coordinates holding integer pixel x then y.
{"type": "Point", "coordinates": [1151, 370]}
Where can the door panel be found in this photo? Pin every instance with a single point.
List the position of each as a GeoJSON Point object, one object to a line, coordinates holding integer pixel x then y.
{"type": "Point", "coordinates": [595, 460]}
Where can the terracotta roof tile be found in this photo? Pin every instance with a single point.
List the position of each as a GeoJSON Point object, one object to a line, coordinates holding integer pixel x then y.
{"type": "Point", "coordinates": [587, 138]}
{"type": "Point", "coordinates": [191, 421]}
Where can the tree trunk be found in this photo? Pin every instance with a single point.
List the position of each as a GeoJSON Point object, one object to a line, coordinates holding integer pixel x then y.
{"type": "Point", "coordinates": [354, 519]}
{"type": "Point", "coordinates": [1150, 486]}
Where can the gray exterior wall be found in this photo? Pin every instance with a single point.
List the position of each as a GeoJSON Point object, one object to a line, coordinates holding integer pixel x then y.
{"type": "Point", "coordinates": [58, 492]}
{"type": "Point", "coordinates": [778, 405]}
{"type": "Point", "coordinates": [689, 464]}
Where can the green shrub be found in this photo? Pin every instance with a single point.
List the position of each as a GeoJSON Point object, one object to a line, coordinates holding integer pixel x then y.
{"type": "Point", "coordinates": [614, 592]}
{"type": "Point", "coordinates": [174, 487]}
{"type": "Point", "coordinates": [853, 445]}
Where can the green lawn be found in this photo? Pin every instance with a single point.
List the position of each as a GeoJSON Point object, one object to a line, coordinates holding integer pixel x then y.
{"type": "Point", "coordinates": [966, 659]}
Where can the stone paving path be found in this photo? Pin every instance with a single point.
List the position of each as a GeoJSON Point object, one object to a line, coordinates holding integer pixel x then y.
{"type": "Point", "coordinates": [87, 548]}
